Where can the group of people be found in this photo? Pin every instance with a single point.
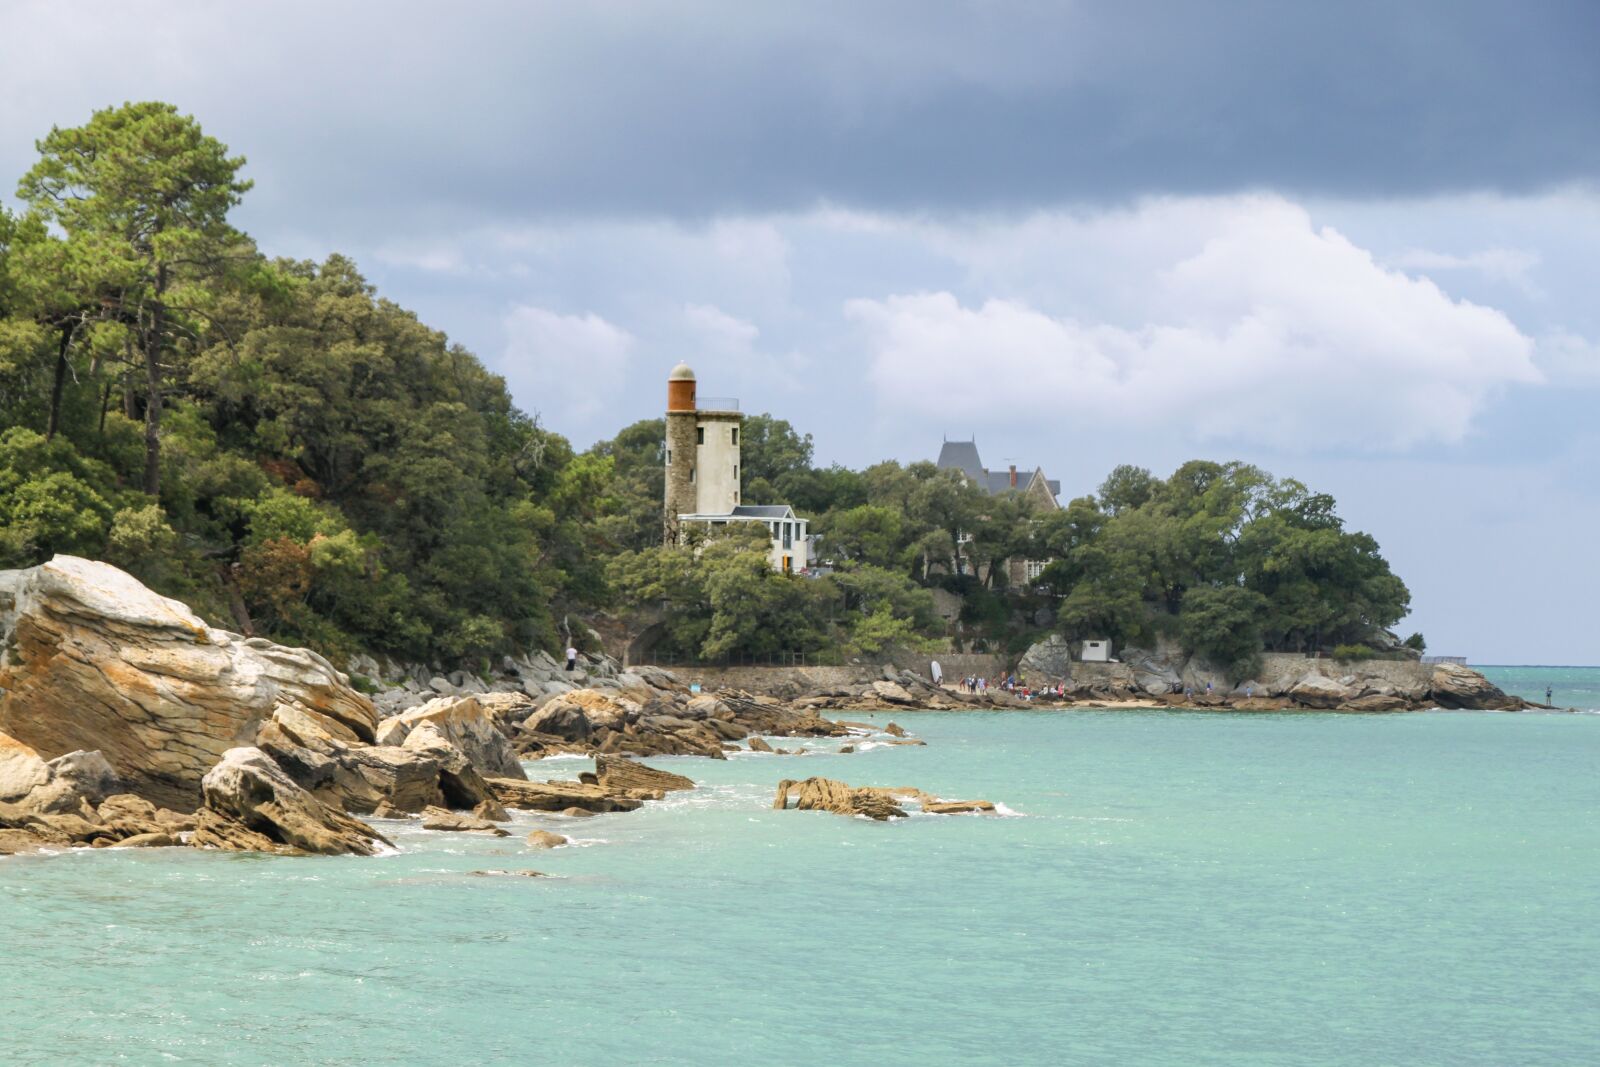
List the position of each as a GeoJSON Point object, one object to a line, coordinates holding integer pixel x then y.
{"type": "Point", "coordinates": [1013, 685]}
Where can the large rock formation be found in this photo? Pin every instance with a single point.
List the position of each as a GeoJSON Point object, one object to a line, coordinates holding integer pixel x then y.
{"type": "Point", "coordinates": [465, 724]}
{"type": "Point", "coordinates": [251, 805]}
{"type": "Point", "coordinates": [1455, 686]}
{"type": "Point", "coordinates": [90, 659]}
{"type": "Point", "coordinates": [825, 794]}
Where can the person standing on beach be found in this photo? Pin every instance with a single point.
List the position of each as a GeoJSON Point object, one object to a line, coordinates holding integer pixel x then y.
{"type": "Point", "coordinates": [572, 658]}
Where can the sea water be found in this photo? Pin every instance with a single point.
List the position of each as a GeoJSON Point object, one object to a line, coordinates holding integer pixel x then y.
{"type": "Point", "coordinates": [1169, 888]}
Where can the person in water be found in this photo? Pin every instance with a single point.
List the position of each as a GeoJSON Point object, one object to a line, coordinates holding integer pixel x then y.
{"type": "Point", "coordinates": [1549, 695]}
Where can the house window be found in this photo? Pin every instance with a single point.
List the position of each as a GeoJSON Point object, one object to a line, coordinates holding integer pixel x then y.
{"type": "Point", "coordinates": [699, 435]}
{"type": "Point", "coordinates": [1035, 567]}
{"type": "Point", "coordinates": [788, 542]}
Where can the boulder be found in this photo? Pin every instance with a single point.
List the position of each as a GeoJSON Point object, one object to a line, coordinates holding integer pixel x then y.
{"type": "Point", "coordinates": [1319, 691]}
{"type": "Point", "coordinates": [151, 840]}
{"type": "Point", "coordinates": [894, 730]}
{"type": "Point", "coordinates": [465, 723]}
{"type": "Point", "coordinates": [251, 804]}
{"type": "Point", "coordinates": [92, 660]}
{"type": "Point", "coordinates": [958, 807]}
{"type": "Point", "coordinates": [21, 770]}
{"type": "Point", "coordinates": [558, 796]}
{"type": "Point", "coordinates": [545, 839]}
{"type": "Point", "coordinates": [892, 693]}
{"type": "Point", "coordinates": [759, 745]}
{"type": "Point", "coordinates": [1456, 686]}
{"type": "Point", "coordinates": [599, 707]}
{"type": "Point", "coordinates": [826, 794]}
{"type": "Point", "coordinates": [459, 822]}
{"type": "Point", "coordinates": [1050, 659]}
{"type": "Point", "coordinates": [459, 781]}
{"type": "Point", "coordinates": [619, 775]}
{"type": "Point", "coordinates": [491, 809]}
{"type": "Point", "coordinates": [322, 757]}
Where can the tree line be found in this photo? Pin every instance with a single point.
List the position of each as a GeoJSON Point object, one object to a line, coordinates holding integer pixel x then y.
{"type": "Point", "coordinates": [276, 444]}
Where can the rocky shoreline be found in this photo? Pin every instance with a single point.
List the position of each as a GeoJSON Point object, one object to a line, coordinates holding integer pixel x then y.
{"type": "Point", "coordinates": [126, 721]}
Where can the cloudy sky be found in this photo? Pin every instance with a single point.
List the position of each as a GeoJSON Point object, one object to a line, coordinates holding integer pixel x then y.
{"type": "Point", "coordinates": [1355, 243]}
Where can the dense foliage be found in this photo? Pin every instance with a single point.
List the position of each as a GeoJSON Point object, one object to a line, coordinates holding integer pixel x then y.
{"type": "Point", "coordinates": [272, 442]}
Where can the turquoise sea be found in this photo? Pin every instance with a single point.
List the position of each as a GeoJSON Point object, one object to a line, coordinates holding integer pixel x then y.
{"type": "Point", "coordinates": [1174, 888]}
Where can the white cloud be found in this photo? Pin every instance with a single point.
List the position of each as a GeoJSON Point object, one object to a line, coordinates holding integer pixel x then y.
{"type": "Point", "coordinates": [1242, 322]}
{"type": "Point", "coordinates": [719, 330]}
{"type": "Point", "coordinates": [565, 363]}
{"type": "Point", "coordinates": [1569, 358]}
{"type": "Point", "coordinates": [1512, 266]}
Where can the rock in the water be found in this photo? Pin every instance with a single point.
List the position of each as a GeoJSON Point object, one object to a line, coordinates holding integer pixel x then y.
{"type": "Point", "coordinates": [1456, 686]}
{"type": "Point", "coordinates": [466, 725]}
{"type": "Point", "coordinates": [558, 796]}
{"type": "Point", "coordinates": [619, 775]}
{"type": "Point", "coordinates": [251, 804]}
{"type": "Point", "coordinates": [1317, 691]}
{"type": "Point", "coordinates": [492, 810]}
{"type": "Point", "coordinates": [508, 874]}
{"type": "Point", "coordinates": [576, 813]}
{"type": "Point", "coordinates": [323, 758]}
{"type": "Point", "coordinates": [759, 745]}
{"type": "Point", "coordinates": [459, 822]}
{"type": "Point", "coordinates": [894, 730]}
{"type": "Point", "coordinates": [92, 660]}
{"type": "Point", "coordinates": [825, 794]}
{"type": "Point", "coordinates": [459, 780]}
{"type": "Point", "coordinates": [845, 750]}
{"type": "Point", "coordinates": [958, 807]}
{"type": "Point", "coordinates": [155, 840]}
{"type": "Point", "coordinates": [545, 839]}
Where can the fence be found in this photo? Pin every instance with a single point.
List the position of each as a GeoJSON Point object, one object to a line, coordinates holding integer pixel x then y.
{"type": "Point", "coordinates": [1459, 660]}
{"type": "Point", "coordinates": [826, 658]}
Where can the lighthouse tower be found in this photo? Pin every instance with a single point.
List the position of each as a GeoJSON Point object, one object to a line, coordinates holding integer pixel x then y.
{"type": "Point", "coordinates": [702, 454]}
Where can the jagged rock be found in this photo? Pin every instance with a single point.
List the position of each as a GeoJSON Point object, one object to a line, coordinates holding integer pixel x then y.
{"type": "Point", "coordinates": [459, 822]}
{"type": "Point", "coordinates": [1050, 659]}
{"type": "Point", "coordinates": [893, 693]}
{"type": "Point", "coordinates": [1375, 702]}
{"type": "Point", "coordinates": [894, 730]}
{"type": "Point", "coordinates": [92, 660]}
{"type": "Point", "coordinates": [151, 840]}
{"type": "Point", "coordinates": [545, 839]}
{"type": "Point", "coordinates": [1318, 691]}
{"type": "Point", "coordinates": [459, 780]}
{"type": "Point", "coordinates": [845, 750]}
{"type": "Point", "coordinates": [576, 813]}
{"type": "Point", "coordinates": [492, 810]}
{"type": "Point", "coordinates": [759, 745]}
{"type": "Point", "coordinates": [557, 796]}
{"type": "Point", "coordinates": [465, 724]}
{"type": "Point", "coordinates": [560, 718]}
{"type": "Point", "coordinates": [618, 775]}
{"type": "Point", "coordinates": [1455, 686]}
{"type": "Point", "coordinates": [825, 794]}
{"type": "Point", "coordinates": [125, 815]}
{"type": "Point", "coordinates": [250, 802]}
{"type": "Point", "coordinates": [321, 756]}
{"type": "Point", "coordinates": [21, 769]}
{"type": "Point", "coordinates": [507, 874]}
{"type": "Point", "coordinates": [958, 807]}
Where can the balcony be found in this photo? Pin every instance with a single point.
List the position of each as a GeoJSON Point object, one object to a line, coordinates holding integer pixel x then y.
{"type": "Point", "coordinates": [716, 403]}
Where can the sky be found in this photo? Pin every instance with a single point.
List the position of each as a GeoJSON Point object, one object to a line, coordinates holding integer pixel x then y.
{"type": "Point", "coordinates": [1353, 243]}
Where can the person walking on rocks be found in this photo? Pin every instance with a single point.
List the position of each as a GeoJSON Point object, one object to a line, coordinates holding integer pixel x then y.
{"type": "Point", "coordinates": [1549, 695]}
{"type": "Point", "coordinates": [572, 658]}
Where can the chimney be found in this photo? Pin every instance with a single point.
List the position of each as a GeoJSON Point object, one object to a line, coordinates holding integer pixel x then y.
{"type": "Point", "coordinates": [1013, 476]}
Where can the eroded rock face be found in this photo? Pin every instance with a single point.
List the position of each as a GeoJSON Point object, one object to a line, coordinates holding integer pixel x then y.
{"type": "Point", "coordinates": [826, 794]}
{"type": "Point", "coordinates": [1317, 691]}
{"type": "Point", "coordinates": [618, 775]}
{"type": "Point", "coordinates": [252, 805]}
{"type": "Point", "coordinates": [90, 659]}
{"type": "Point", "coordinates": [1455, 686]}
{"type": "Point", "coordinates": [467, 725]}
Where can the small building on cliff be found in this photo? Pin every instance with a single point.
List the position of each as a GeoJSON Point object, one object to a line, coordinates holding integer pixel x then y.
{"type": "Point", "coordinates": [703, 479]}
{"type": "Point", "coordinates": [963, 456]}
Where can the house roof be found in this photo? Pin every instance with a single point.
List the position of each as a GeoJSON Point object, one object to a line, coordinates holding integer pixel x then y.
{"type": "Point", "coordinates": [763, 511]}
{"type": "Point", "coordinates": [962, 456]}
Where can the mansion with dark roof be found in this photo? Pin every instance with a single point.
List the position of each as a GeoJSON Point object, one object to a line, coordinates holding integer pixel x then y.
{"type": "Point", "coordinates": [963, 456]}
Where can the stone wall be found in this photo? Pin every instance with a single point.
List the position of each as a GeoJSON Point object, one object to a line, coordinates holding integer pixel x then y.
{"type": "Point", "coordinates": [791, 680]}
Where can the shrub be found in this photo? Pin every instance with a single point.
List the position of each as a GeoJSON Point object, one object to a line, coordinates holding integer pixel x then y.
{"type": "Point", "coordinates": [1345, 653]}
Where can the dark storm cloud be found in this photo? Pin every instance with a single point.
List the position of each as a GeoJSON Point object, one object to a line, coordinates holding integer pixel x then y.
{"type": "Point", "coordinates": [558, 111]}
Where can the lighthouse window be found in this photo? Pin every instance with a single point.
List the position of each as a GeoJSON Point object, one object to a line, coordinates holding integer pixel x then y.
{"type": "Point", "coordinates": [735, 472]}
{"type": "Point", "coordinates": [669, 457]}
{"type": "Point", "coordinates": [700, 435]}
{"type": "Point", "coordinates": [691, 474]}
{"type": "Point", "coordinates": [736, 435]}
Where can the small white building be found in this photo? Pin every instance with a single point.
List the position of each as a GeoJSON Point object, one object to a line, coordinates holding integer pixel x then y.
{"type": "Point", "coordinates": [1096, 651]}
{"type": "Point", "coordinates": [791, 543]}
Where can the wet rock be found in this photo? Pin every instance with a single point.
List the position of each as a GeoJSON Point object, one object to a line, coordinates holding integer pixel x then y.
{"type": "Point", "coordinates": [251, 804]}
{"type": "Point", "coordinates": [759, 745]}
{"type": "Point", "coordinates": [491, 809]}
{"type": "Point", "coordinates": [826, 794]}
{"type": "Point", "coordinates": [459, 781]}
{"type": "Point", "coordinates": [545, 839]}
{"type": "Point", "coordinates": [894, 730]}
{"type": "Point", "coordinates": [459, 822]}
{"type": "Point", "coordinates": [958, 807]}
{"type": "Point", "coordinates": [618, 775]}
{"type": "Point", "coordinates": [576, 813]}
{"type": "Point", "coordinates": [557, 796]}
{"type": "Point", "coordinates": [152, 840]}
{"type": "Point", "coordinates": [507, 874]}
